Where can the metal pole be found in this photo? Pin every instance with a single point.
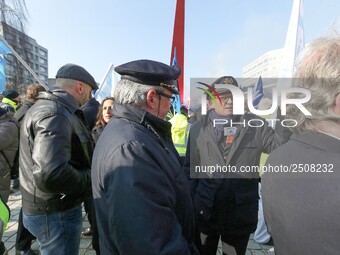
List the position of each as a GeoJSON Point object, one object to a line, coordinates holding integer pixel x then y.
{"type": "Point", "coordinates": [23, 62]}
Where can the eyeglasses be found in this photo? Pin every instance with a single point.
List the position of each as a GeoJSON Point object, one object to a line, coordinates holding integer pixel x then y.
{"type": "Point", "coordinates": [226, 98]}
{"type": "Point", "coordinates": [171, 98]}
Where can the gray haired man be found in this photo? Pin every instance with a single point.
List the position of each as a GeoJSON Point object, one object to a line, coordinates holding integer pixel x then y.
{"type": "Point", "coordinates": [302, 205]}
{"type": "Point", "coordinates": [141, 196]}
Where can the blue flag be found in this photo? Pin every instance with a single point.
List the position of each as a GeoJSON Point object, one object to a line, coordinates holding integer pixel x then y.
{"type": "Point", "coordinates": [4, 48]}
{"type": "Point", "coordinates": [258, 92]}
{"type": "Point", "coordinates": [177, 102]}
{"type": "Point", "coordinates": [2, 74]}
{"type": "Point", "coordinates": [2, 65]}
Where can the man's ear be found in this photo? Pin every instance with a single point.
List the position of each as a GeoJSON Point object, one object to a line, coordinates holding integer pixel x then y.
{"type": "Point", "coordinates": [79, 87]}
{"type": "Point", "coordinates": [151, 98]}
{"type": "Point", "coordinates": [210, 104]}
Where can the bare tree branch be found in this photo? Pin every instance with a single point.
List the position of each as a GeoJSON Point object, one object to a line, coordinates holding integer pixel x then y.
{"type": "Point", "coordinates": [14, 13]}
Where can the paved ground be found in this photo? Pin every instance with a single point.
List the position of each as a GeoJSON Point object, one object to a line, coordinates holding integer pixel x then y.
{"type": "Point", "coordinates": [85, 244]}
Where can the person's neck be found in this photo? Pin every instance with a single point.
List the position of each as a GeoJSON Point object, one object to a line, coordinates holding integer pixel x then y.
{"type": "Point", "coordinates": [329, 128]}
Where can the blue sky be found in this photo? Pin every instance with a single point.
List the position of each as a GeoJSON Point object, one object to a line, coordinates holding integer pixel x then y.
{"type": "Point", "coordinates": [221, 36]}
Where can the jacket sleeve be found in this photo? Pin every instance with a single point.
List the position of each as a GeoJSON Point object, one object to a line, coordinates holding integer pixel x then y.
{"type": "Point", "coordinates": [188, 161]}
{"type": "Point", "coordinates": [144, 198]}
{"type": "Point", "coordinates": [8, 134]}
{"type": "Point", "coordinates": [52, 170]}
{"type": "Point", "coordinates": [271, 139]}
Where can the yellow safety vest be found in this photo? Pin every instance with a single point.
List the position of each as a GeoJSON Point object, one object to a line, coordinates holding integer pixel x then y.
{"type": "Point", "coordinates": [180, 133]}
{"type": "Point", "coordinates": [10, 102]}
{"type": "Point", "coordinates": [5, 213]}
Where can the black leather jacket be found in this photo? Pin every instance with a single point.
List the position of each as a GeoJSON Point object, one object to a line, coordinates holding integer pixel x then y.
{"type": "Point", "coordinates": [55, 154]}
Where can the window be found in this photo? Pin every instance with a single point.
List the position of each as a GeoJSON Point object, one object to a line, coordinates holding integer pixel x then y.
{"type": "Point", "coordinates": [42, 61]}
{"type": "Point", "coordinates": [43, 69]}
{"type": "Point", "coordinates": [43, 53]}
{"type": "Point", "coordinates": [9, 37]}
{"type": "Point", "coordinates": [29, 46]}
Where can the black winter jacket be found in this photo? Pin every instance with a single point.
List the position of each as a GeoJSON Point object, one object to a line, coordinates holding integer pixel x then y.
{"type": "Point", "coordinates": [141, 196]}
{"type": "Point", "coordinates": [55, 154]}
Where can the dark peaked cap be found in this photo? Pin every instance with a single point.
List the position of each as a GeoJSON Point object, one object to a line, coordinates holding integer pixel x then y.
{"type": "Point", "coordinates": [75, 72]}
{"type": "Point", "coordinates": [150, 72]}
{"type": "Point", "coordinates": [10, 93]}
{"type": "Point", "coordinates": [224, 80]}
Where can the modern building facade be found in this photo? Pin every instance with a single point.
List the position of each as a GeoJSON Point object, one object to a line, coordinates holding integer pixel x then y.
{"type": "Point", "coordinates": [266, 66]}
{"type": "Point", "coordinates": [34, 54]}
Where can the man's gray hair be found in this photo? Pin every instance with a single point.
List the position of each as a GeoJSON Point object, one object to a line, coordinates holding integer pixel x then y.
{"type": "Point", "coordinates": [319, 72]}
{"type": "Point", "coordinates": [131, 93]}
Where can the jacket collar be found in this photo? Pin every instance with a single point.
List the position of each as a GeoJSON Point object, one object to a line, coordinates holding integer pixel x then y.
{"type": "Point", "coordinates": [61, 96]}
{"type": "Point", "coordinates": [318, 140]}
{"type": "Point", "coordinates": [140, 116]}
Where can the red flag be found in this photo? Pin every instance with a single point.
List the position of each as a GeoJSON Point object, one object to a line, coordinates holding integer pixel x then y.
{"type": "Point", "coordinates": [178, 44]}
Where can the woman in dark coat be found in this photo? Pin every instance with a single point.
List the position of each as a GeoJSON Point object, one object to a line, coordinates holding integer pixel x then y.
{"type": "Point", "coordinates": [103, 117]}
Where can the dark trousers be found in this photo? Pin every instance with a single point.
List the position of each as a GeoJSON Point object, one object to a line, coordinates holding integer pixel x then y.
{"type": "Point", "coordinates": [230, 243]}
{"type": "Point", "coordinates": [24, 237]}
{"type": "Point", "coordinates": [88, 206]}
{"type": "Point", "coordinates": [2, 247]}
{"type": "Point", "coordinates": [95, 235]}
{"type": "Point", "coordinates": [91, 216]}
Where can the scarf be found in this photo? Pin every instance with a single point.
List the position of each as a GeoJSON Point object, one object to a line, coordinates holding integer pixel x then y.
{"type": "Point", "coordinates": [219, 129]}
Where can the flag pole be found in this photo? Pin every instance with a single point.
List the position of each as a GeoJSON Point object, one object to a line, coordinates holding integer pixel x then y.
{"type": "Point", "coordinates": [23, 62]}
{"type": "Point", "coordinates": [178, 44]}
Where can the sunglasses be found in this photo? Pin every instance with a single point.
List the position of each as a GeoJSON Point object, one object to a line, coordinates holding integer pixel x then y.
{"type": "Point", "coordinates": [171, 98]}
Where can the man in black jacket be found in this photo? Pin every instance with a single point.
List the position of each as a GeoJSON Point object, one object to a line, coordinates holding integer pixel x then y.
{"type": "Point", "coordinates": [142, 198]}
{"type": "Point", "coordinates": [55, 162]}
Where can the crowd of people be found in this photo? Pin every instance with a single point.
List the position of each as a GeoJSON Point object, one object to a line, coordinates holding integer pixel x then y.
{"type": "Point", "coordinates": [136, 172]}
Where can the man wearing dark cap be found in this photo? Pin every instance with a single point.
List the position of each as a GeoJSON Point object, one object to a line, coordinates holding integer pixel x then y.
{"type": "Point", "coordinates": [141, 196]}
{"type": "Point", "coordinates": [10, 101]}
{"type": "Point", "coordinates": [55, 154]}
{"type": "Point", "coordinates": [226, 203]}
